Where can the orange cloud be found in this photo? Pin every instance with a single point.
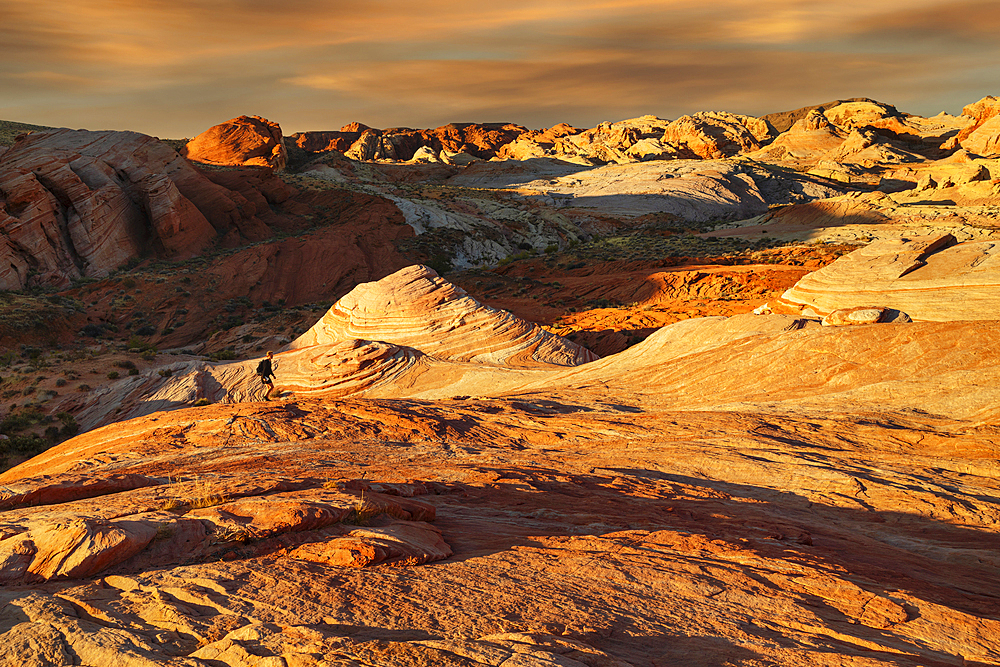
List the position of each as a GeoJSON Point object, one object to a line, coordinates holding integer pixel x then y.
{"type": "Point", "coordinates": [176, 67]}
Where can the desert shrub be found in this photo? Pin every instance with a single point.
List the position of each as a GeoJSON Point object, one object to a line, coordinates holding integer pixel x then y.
{"type": "Point", "coordinates": [69, 425]}
{"type": "Point", "coordinates": [223, 355]}
{"type": "Point", "coordinates": [61, 382]}
{"type": "Point", "coordinates": [145, 330]}
{"type": "Point", "coordinates": [136, 344]}
{"type": "Point", "coordinates": [441, 264]}
{"type": "Point", "coordinates": [133, 371]}
{"type": "Point", "coordinates": [202, 401]}
{"type": "Point", "coordinates": [113, 375]}
{"type": "Point", "coordinates": [149, 354]}
{"type": "Point", "coordinates": [124, 363]}
{"type": "Point", "coordinates": [92, 330]}
{"type": "Point", "coordinates": [18, 421]}
{"type": "Point", "coordinates": [165, 372]}
{"type": "Point", "coordinates": [83, 387]}
{"type": "Point", "coordinates": [30, 443]}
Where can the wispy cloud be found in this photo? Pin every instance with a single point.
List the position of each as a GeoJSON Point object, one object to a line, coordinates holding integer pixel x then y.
{"type": "Point", "coordinates": [176, 67]}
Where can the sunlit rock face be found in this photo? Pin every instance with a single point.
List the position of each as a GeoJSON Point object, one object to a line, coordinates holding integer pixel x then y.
{"type": "Point", "coordinates": [416, 308]}
{"type": "Point", "coordinates": [981, 133]}
{"type": "Point", "coordinates": [380, 336]}
{"type": "Point", "coordinates": [928, 278]}
{"type": "Point", "coordinates": [242, 141]}
{"type": "Point", "coordinates": [78, 203]}
{"type": "Point", "coordinates": [716, 134]}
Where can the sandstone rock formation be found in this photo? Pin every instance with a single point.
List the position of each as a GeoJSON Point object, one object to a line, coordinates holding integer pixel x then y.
{"type": "Point", "coordinates": [716, 134]}
{"type": "Point", "coordinates": [80, 203]}
{"type": "Point", "coordinates": [482, 141]}
{"type": "Point", "coordinates": [867, 114]}
{"type": "Point", "coordinates": [929, 278]}
{"type": "Point", "coordinates": [243, 141]}
{"type": "Point", "coordinates": [864, 315]}
{"type": "Point", "coordinates": [809, 137]}
{"type": "Point", "coordinates": [410, 321]}
{"type": "Point", "coordinates": [985, 139]}
{"type": "Point", "coordinates": [416, 308]}
{"type": "Point", "coordinates": [868, 149]}
{"type": "Point", "coordinates": [979, 136]}
{"type": "Point", "coordinates": [569, 518]}
{"type": "Point", "coordinates": [689, 190]}
{"type": "Point", "coordinates": [782, 121]}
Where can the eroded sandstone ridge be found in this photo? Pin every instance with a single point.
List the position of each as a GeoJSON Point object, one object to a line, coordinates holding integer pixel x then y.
{"type": "Point", "coordinates": [929, 278]}
{"type": "Point", "coordinates": [81, 204]}
{"type": "Point", "coordinates": [417, 308]}
{"type": "Point", "coordinates": [410, 324]}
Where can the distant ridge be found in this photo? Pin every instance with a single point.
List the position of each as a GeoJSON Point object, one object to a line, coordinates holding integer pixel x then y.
{"type": "Point", "coordinates": [783, 120]}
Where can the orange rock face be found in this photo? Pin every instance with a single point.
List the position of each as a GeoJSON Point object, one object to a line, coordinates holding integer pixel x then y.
{"type": "Point", "coordinates": [716, 134]}
{"type": "Point", "coordinates": [979, 114]}
{"type": "Point", "coordinates": [243, 141]}
{"type": "Point", "coordinates": [929, 278]}
{"type": "Point", "coordinates": [416, 308]}
{"type": "Point", "coordinates": [80, 203]}
{"type": "Point", "coordinates": [753, 472]}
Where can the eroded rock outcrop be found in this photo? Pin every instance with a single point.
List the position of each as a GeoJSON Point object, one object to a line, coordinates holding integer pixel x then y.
{"type": "Point", "coordinates": [416, 308]}
{"type": "Point", "coordinates": [776, 474]}
{"type": "Point", "coordinates": [78, 203]}
{"type": "Point", "coordinates": [928, 278]}
{"type": "Point", "coordinates": [716, 134]}
{"type": "Point", "coordinates": [481, 141]}
{"type": "Point", "coordinates": [981, 135]}
{"type": "Point", "coordinates": [242, 141]}
{"type": "Point", "coordinates": [808, 138]}
{"type": "Point", "coordinates": [405, 323]}
{"type": "Point", "coordinates": [868, 114]}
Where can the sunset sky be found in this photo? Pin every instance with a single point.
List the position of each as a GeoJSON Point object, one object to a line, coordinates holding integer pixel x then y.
{"type": "Point", "coordinates": [173, 68]}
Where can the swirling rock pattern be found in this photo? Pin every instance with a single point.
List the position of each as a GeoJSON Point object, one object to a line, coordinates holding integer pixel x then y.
{"type": "Point", "coordinates": [929, 278]}
{"type": "Point", "coordinates": [75, 203]}
{"type": "Point", "coordinates": [416, 308]}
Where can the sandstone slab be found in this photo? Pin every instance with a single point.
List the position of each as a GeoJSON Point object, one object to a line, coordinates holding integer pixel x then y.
{"type": "Point", "coordinates": [929, 278]}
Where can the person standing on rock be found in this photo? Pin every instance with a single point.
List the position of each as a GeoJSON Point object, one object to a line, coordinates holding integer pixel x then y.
{"type": "Point", "coordinates": [265, 370]}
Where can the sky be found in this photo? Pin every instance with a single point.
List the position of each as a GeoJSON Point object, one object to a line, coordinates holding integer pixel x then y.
{"type": "Point", "coordinates": [175, 68]}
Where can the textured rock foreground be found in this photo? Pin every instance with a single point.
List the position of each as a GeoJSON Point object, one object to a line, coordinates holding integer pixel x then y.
{"type": "Point", "coordinates": [744, 491]}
